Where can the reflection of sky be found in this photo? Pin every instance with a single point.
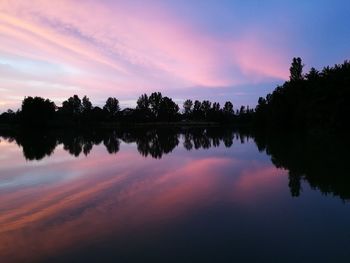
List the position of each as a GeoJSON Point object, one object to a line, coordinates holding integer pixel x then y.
{"type": "Point", "coordinates": [235, 50]}
{"type": "Point", "coordinates": [62, 204]}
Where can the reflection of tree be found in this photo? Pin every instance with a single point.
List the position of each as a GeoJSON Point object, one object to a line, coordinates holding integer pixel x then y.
{"type": "Point", "coordinates": [188, 145]}
{"type": "Point", "coordinates": [157, 142]}
{"type": "Point", "coordinates": [205, 138]}
{"type": "Point", "coordinates": [87, 148]}
{"type": "Point", "coordinates": [294, 184]}
{"type": "Point", "coordinates": [78, 142]}
{"type": "Point", "coordinates": [154, 142]}
{"type": "Point", "coordinates": [228, 137]}
{"type": "Point", "coordinates": [112, 142]}
{"type": "Point", "coordinates": [319, 160]}
{"type": "Point", "coordinates": [36, 145]}
{"type": "Point", "coordinates": [74, 145]}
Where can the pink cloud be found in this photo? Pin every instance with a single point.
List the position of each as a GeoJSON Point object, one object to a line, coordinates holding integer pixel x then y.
{"type": "Point", "coordinates": [122, 49]}
{"type": "Point", "coordinates": [258, 60]}
{"type": "Point", "coordinates": [138, 39]}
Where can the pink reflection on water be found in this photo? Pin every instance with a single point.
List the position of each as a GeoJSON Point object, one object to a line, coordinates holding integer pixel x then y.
{"type": "Point", "coordinates": [112, 195]}
{"type": "Point", "coordinates": [258, 181]}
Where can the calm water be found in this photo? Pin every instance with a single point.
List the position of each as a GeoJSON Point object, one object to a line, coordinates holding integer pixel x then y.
{"type": "Point", "coordinates": [184, 195]}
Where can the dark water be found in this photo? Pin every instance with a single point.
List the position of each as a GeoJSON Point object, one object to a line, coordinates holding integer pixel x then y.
{"type": "Point", "coordinates": [173, 195]}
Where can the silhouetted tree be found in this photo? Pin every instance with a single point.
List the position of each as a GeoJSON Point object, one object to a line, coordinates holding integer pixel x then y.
{"type": "Point", "coordinates": [313, 75]}
{"type": "Point", "coordinates": [155, 101]}
{"type": "Point", "coordinates": [216, 106]}
{"type": "Point", "coordinates": [9, 117]}
{"type": "Point", "coordinates": [168, 109]}
{"type": "Point", "coordinates": [197, 112]}
{"type": "Point", "coordinates": [86, 105]}
{"type": "Point", "coordinates": [215, 113]}
{"type": "Point", "coordinates": [37, 111]}
{"type": "Point", "coordinates": [205, 107]}
{"type": "Point", "coordinates": [187, 107]}
{"type": "Point", "coordinates": [318, 101]}
{"type": "Point", "coordinates": [296, 70]}
{"type": "Point", "coordinates": [242, 110]}
{"type": "Point", "coordinates": [143, 102]}
{"type": "Point", "coordinates": [97, 114]}
{"type": "Point", "coordinates": [112, 106]}
{"type": "Point", "coordinates": [72, 106]}
{"type": "Point", "coordinates": [142, 113]}
{"type": "Point", "coordinates": [228, 107]}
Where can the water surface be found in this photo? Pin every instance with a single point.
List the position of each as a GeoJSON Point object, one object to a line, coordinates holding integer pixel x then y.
{"type": "Point", "coordinates": [172, 195]}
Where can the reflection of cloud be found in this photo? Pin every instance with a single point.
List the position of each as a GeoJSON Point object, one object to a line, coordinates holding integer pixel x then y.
{"type": "Point", "coordinates": [102, 196]}
{"type": "Point", "coordinates": [150, 49]}
{"type": "Point", "coordinates": [53, 199]}
{"type": "Point", "coordinates": [258, 181]}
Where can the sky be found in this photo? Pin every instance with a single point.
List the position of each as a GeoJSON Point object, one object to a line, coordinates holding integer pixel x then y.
{"type": "Point", "coordinates": [197, 49]}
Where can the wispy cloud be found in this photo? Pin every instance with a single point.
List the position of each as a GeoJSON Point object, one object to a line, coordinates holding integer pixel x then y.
{"type": "Point", "coordinates": [101, 48]}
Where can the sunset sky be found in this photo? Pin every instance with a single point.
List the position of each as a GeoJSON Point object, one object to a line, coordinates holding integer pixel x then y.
{"type": "Point", "coordinates": [197, 49]}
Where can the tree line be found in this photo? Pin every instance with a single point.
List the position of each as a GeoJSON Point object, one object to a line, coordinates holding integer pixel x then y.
{"type": "Point", "coordinates": [38, 111]}
{"type": "Point", "coordinates": [315, 100]}
{"type": "Point", "coordinates": [152, 142]}
{"type": "Point", "coordinates": [319, 160]}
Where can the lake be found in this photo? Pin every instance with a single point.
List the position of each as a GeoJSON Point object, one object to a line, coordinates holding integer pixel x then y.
{"type": "Point", "coordinates": [173, 195]}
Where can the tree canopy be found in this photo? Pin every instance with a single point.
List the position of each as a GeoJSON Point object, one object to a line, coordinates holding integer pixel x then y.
{"type": "Point", "coordinates": [37, 110]}
{"type": "Point", "coordinates": [317, 100]}
{"type": "Point", "coordinates": [312, 100]}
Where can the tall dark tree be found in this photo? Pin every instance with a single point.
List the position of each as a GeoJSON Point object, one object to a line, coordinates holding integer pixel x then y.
{"type": "Point", "coordinates": [37, 110]}
{"type": "Point", "coordinates": [205, 107]}
{"type": "Point", "coordinates": [215, 113]}
{"type": "Point", "coordinates": [242, 110]}
{"type": "Point", "coordinates": [312, 75]}
{"type": "Point", "coordinates": [155, 100]}
{"type": "Point", "coordinates": [197, 105]}
{"type": "Point", "coordinates": [143, 102]}
{"type": "Point", "coordinates": [188, 104]}
{"type": "Point", "coordinates": [72, 106]}
{"type": "Point", "coordinates": [228, 107]}
{"type": "Point", "coordinates": [216, 107]}
{"type": "Point", "coordinates": [296, 70]}
{"type": "Point", "coordinates": [197, 110]}
{"type": "Point", "coordinates": [112, 106]}
{"type": "Point", "coordinates": [168, 109]}
{"type": "Point", "coordinates": [86, 105]}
